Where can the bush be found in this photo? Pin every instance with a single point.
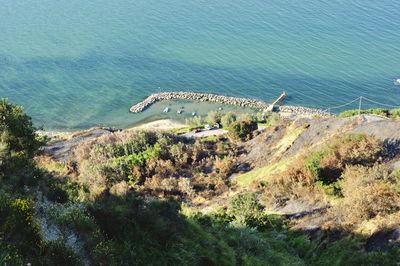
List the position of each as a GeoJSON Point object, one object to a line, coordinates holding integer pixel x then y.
{"type": "Point", "coordinates": [243, 130]}
{"type": "Point", "coordinates": [57, 253]}
{"type": "Point", "coordinates": [247, 208]}
{"type": "Point", "coordinates": [214, 117]}
{"type": "Point", "coordinates": [358, 149]}
{"type": "Point", "coordinates": [313, 165]}
{"type": "Point", "coordinates": [328, 164]}
{"type": "Point", "coordinates": [18, 225]}
{"type": "Point", "coordinates": [17, 131]}
{"type": "Point", "coordinates": [228, 119]}
{"type": "Point", "coordinates": [368, 192]}
{"type": "Point", "coordinates": [392, 113]}
{"type": "Point", "coordinates": [395, 113]}
{"type": "Point", "coordinates": [246, 205]}
{"type": "Point", "coordinates": [195, 122]}
{"type": "Point", "coordinates": [18, 144]}
{"type": "Point", "coordinates": [73, 216]}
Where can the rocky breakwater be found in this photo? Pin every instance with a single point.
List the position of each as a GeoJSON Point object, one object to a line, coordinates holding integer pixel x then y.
{"type": "Point", "coordinates": [214, 98]}
{"type": "Point", "coordinates": [194, 96]}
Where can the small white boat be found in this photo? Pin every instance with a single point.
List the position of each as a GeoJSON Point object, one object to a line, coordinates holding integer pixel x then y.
{"type": "Point", "coordinates": [180, 111]}
{"type": "Point", "coordinates": [397, 82]}
{"type": "Point", "coordinates": [194, 113]}
{"type": "Point", "coordinates": [166, 110]}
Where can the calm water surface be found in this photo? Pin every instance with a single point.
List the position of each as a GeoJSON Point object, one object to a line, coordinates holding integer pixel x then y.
{"type": "Point", "coordinates": [75, 64]}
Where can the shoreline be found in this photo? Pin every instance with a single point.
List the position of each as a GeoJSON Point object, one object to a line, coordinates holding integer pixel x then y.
{"type": "Point", "coordinates": [158, 124]}
{"type": "Point", "coordinates": [286, 111]}
{"type": "Point", "coordinates": [228, 100]}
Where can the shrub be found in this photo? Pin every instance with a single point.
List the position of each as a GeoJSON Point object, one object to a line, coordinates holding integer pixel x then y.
{"type": "Point", "coordinates": [214, 117]}
{"type": "Point", "coordinates": [374, 111]}
{"type": "Point", "coordinates": [120, 189]}
{"type": "Point", "coordinates": [328, 164]}
{"type": "Point", "coordinates": [17, 131]}
{"type": "Point", "coordinates": [243, 130]}
{"type": "Point", "coordinates": [313, 165]}
{"type": "Point", "coordinates": [358, 149]}
{"type": "Point", "coordinates": [245, 204]}
{"type": "Point", "coordinates": [58, 253]}
{"type": "Point", "coordinates": [272, 118]}
{"type": "Point", "coordinates": [18, 144]}
{"type": "Point", "coordinates": [395, 113]}
{"type": "Point", "coordinates": [195, 122]}
{"type": "Point", "coordinates": [73, 216]}
{"type": "Point", "coordinates": [225, 166]}
{"type": "Point", "coordinates": [247, 208]}
{"type": "Point", "coordinates": [367, 192]}
{"type": "Point", "coordinates": [228, 119]}
{"type": "Point", "coordinates": [18, 224]}
{"type": "Point", "coordinates": [368, 202]}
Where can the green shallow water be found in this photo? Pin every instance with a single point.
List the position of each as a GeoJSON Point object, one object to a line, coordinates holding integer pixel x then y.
{"type": "Point", "coordinates": [75, 64]}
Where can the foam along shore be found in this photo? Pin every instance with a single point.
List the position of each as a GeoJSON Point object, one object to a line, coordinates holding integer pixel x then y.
{"type": "Point", "coordinates": [214, 98]}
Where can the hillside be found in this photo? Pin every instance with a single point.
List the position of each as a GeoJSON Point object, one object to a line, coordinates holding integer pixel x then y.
{"type": "Point", "coordinates": [308, 191]}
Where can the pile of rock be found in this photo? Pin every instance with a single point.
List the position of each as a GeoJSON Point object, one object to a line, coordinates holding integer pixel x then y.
{"type": "Point", "coordinates": [214, 98]}
{"type": "Point", "coordinates": [300, 110]}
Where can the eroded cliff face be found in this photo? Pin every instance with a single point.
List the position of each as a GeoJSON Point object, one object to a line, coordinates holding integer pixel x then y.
{"type": "Point", "coordinates": [277, 164]}
{"type": "Point", "coordinates": [292, 138]}
{"type": "Point", "coordinates": [282, 154]}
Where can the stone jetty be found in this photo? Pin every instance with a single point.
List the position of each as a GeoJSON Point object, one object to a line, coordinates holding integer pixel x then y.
{"type": "Point", "coordinates": [195, 96]}
{"type": "Point", "coordinates": [214, 98]}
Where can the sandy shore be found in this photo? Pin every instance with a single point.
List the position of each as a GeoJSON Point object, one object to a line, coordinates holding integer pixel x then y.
{"type": "Point", "coordinates": [163, 124]}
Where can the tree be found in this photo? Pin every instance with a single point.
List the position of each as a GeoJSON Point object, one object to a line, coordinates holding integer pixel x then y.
{"type": "Point", "coordinates": [18, 138]}
{"type": "Point", "coordinates": [243, 129]}
{"type": "Point", "coordinates": [227, 119]}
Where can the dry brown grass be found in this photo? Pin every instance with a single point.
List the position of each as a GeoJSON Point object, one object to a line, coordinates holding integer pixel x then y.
{"type": "Point", "coordinates": [368, 194]}
{"type": "Point", "coordinates": [365, 188]}
{"type": "Point", "coordinates": [180, 168]}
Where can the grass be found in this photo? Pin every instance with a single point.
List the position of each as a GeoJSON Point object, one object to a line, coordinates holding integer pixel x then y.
{"type": "Point", "coordinates": [289, 138]}
{"type": "Point", "coordinates": [210, 139]}
{"type": "Point", "coordinates": [51, 165]}
{"type": "Point", "coordinates": [262, 125]}
{"type": "Point", "coordinates": [179, 130]}
{"type": "Point", "coordinates": [262, 173]}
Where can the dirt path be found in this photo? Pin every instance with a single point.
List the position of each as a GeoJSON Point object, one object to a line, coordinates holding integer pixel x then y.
{"type": "Point", "coordinates": [205, 133]}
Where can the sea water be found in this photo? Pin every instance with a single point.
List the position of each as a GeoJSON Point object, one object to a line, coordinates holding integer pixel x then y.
{"type": "Point", "coordinates": [75, 64]}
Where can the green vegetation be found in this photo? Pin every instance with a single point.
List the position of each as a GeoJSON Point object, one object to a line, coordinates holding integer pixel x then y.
{"type": "Point", "coordinates": [390, 113]}
{"type": "Point", "coordinates": [21, 239]}
{"type": "Point", "coordinates": [262, 173]}
{"type": "Point", "coordinates": [349, 174]}
{"type": "Point", "coordinates": [120, 201]}
{"type": "Point", "coordinates": [243, 130]}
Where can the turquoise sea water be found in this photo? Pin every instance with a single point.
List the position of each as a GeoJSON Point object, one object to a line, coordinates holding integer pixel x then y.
{"type": "Point", "coordinates": [81, 63]}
